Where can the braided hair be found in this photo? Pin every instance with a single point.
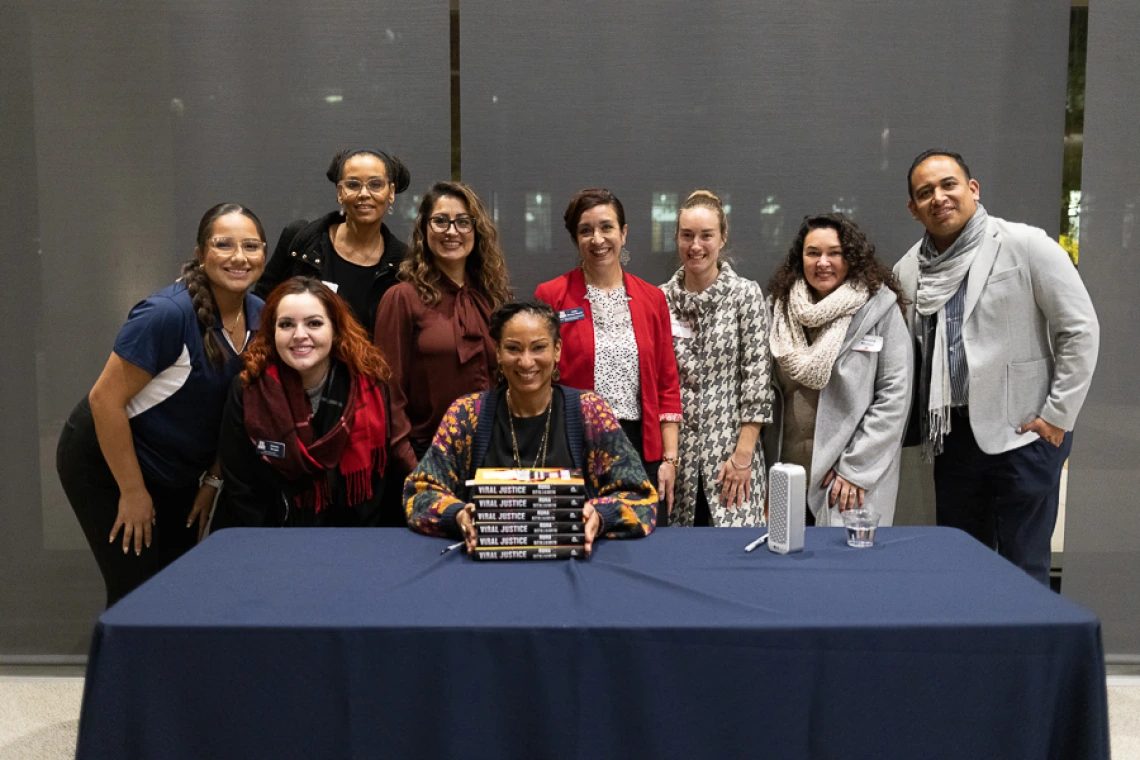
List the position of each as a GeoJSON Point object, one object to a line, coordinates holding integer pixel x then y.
{"type": "Point", "coordinates": [198, 284]}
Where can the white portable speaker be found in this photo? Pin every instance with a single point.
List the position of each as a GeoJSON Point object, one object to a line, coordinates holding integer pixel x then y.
{"type": "Point", "coordinates": [787, 484]}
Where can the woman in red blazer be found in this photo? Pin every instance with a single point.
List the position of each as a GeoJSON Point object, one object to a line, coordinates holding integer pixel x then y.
{"type": "Point", "coordinates": [616, 336]}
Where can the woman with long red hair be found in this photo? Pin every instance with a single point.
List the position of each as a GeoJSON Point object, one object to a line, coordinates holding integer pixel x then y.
{"type": "Point", "coordinates": [305, 433]}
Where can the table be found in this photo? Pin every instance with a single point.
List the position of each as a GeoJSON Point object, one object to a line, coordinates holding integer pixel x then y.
{"type": "Point", "coordinates": [370, 643]}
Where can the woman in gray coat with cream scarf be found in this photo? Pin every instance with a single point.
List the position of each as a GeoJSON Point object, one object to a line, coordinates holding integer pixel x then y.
{"type": "Point", "coordinates": [842, 361]}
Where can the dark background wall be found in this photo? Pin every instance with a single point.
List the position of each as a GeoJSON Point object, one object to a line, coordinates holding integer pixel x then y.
{"type": "Point", "coordinates": [1102, 535]}
{"type": "Point", "coordinates": [124, 121]}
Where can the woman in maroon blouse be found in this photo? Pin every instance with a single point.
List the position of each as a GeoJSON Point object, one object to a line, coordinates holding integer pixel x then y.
{"type": "Point", "coordinates": [434, 323]}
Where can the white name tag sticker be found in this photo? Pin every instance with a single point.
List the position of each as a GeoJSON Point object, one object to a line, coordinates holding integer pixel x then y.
{"type": "Point", "coordinates": [872, 344]}
{"type": "Point", "coordinates": [330, 285]}
{"type": "Point", "coordinates": [680, 329]}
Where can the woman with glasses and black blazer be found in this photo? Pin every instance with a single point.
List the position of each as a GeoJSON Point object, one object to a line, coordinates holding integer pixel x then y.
{"type": "Point", "coordinates": [432, 326]}
{"type": "Point", "coordinates": [351, 250]}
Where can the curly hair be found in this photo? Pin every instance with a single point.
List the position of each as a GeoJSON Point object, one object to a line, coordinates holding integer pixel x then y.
{"type": "Point", "coordinates": [198, 284]}
{"type": "Point", "coordinates": [858, 252]}
{"type": "Point", "coordinates": [485, 266]}
{"type": "Point", "coordinates": [350, 346]}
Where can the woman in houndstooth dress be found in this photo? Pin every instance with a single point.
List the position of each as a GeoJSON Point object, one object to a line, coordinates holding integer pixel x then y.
{"type": "Point", "coordinates": [720, 337]}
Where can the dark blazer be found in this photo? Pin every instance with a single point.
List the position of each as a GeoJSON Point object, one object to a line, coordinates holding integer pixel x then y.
{"type": "Point", "coordinates": [300, 249]}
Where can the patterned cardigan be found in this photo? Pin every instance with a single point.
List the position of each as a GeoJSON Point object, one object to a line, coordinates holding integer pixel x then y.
{"type": "Point", "coordinates": [615, 481]}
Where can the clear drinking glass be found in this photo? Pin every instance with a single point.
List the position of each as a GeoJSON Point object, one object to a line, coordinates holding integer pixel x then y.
{"type": "Point", "coordinates": [861, 524]}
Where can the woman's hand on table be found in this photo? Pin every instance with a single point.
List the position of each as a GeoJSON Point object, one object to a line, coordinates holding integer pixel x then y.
{"type": "Point", "coordinates": [843, 492]}
{"type": "Point", "coordinates": [466, 522]}
{"type": "Point", "coordinates": [593, 520]}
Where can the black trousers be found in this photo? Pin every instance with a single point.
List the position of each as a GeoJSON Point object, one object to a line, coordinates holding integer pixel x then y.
{"type": "Point", "coordinates": [702, 515]}
{"type": "Point", "coordinates": [1007, 501]}
{"type": "Point", "coordinates": [94, 496]}
{"type": "Point", "coordinates": [632, 430]}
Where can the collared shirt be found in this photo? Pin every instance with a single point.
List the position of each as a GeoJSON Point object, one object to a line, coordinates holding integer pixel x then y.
{"type": "Point", "coordinates": [959, 370]}
{"type": "Point", "coordinates": [176, 416]}
{"type": "Point", "coordinates": [616, 376]}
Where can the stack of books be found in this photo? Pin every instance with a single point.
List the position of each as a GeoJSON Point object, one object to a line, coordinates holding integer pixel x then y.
{"type": "Point", "coordinates": [528, 514]}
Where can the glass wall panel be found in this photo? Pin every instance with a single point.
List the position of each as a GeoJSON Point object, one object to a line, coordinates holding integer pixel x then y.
{"type": "Point", "coordinates": [788, 107]}
{"type": "Point", "coordinates": [123, 123]}
{"type": "Point", "coordinates": [1102, 534]}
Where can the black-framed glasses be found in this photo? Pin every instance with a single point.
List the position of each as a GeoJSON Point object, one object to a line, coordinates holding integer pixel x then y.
{"type": "Point", "coordinates": [354, 186]}
{"type": "Point", "coordinates": [441, 224]}
{"type": "Point", "coordinates": [229, 246]}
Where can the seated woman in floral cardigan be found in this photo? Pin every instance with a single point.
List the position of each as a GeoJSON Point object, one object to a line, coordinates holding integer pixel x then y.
{"type": "Point", "coordinates": [530, 422]}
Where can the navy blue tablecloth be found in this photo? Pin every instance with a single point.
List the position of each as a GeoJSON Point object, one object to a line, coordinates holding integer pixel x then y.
{"type": "Point", "coordinates": [370, 644]}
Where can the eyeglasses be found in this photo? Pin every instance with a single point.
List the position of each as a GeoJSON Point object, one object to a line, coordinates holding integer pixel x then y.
{"type": "Point", "coordinates": [354, 186]}
{"type": "Point", "coordinates": [441, 224]}
{"type": "Point", "coordinates": [228, 246]}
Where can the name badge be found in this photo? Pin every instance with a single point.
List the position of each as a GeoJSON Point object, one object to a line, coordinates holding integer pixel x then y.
{"type": "Point", "coordinates": [271, 449]}
{"type": "Point", "coordinates": [680, 329]}
{"type": "Point", "coordinates": [872, 344]}
{"type": "Point", "coordinates": [572, 315]}
{"type": "Point", "coordinates": [330, 285]}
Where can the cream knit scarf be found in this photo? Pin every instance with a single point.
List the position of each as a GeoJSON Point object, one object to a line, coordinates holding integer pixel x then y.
{"type": "Point", "coordinates": [810, 364]}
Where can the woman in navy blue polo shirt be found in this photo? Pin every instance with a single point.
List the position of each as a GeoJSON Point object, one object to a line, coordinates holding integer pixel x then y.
{"type": "Point", "coordinates": [137, 457]}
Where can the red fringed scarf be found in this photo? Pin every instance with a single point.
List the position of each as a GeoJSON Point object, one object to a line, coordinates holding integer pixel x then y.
{"type": "Point", "coordinates": [277, 410]}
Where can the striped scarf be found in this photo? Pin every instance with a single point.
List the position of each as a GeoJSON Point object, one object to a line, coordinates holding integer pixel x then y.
{"type": "Point", "coordinates": [939, 277]}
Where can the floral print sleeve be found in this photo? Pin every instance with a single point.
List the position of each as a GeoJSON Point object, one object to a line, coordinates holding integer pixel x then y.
{"type": "Point", "coordinates": [624, 496]}
{"type": "Point", "coordinates": [436, 491]}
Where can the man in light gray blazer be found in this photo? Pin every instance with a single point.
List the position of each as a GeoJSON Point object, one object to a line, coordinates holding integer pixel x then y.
{"type": "Point", "coordinates": [1007, 341]}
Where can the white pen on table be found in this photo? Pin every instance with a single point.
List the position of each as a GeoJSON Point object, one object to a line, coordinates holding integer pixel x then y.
{"type": "Point", "coordinates": [449, 548]}
{"type": "Point", "coordinates": [757, 543]}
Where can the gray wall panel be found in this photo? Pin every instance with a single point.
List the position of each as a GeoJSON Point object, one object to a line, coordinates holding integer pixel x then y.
{"type": "Point", "coordinates": [782, 108]}
{"type": "Point", "coordinates": [123, 123]}
{"type": "Point", "coordinates": [788, 108]}
{"type": "Point", "coordinates": [1102, 535]}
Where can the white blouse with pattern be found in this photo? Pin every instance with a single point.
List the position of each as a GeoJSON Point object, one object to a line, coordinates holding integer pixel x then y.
{"type": "Point", "coordinates": [616, 376]}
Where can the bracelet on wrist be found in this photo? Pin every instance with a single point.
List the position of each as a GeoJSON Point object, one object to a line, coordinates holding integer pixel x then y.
{"type": "Point", "coordinates": [206, 479]}
{"type": "Point", "coordinates": [675, 461]}
{"type": "Point", "coordinates": [732, 461]}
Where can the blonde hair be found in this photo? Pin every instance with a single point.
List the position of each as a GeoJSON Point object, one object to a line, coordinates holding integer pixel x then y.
{"type": "Point", "coordinates": [707, 199]}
